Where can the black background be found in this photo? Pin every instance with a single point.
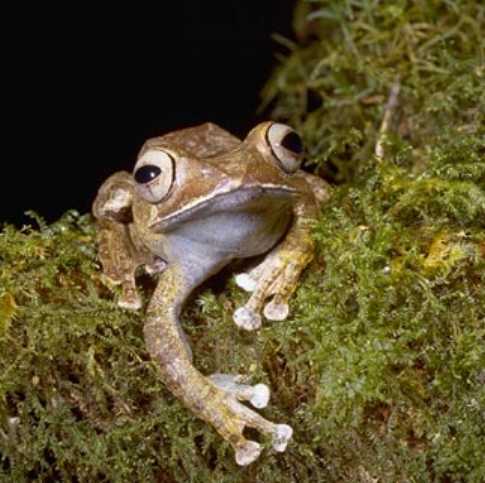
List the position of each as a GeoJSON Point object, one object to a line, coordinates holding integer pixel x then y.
{"type": "Point", "coordinates": [85, 87]}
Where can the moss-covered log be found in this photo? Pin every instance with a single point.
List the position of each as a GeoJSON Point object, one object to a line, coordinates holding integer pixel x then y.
{"type": "Point", "coordinates": [381, 368]}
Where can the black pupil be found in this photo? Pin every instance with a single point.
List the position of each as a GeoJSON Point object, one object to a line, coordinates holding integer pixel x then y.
{"type": "Point", "coordinates": [293, 143]}
{"type": "Point", "coordinates": [147, 173]}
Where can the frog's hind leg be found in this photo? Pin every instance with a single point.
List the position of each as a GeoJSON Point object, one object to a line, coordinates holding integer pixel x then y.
{"type": "Point", "coordinates": [216, 400]}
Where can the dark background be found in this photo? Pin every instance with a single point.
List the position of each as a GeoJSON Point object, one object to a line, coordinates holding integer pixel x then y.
{"type": "Point", "coordinates": [85, 88]}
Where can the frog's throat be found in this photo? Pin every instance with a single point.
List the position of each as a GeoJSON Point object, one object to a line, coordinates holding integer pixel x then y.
{"type": "Point", "coordinates": [226, 199]}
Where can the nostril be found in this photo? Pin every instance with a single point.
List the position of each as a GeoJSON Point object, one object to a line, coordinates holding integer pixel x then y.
{"type": "Point", "coordinates": [147, 173]}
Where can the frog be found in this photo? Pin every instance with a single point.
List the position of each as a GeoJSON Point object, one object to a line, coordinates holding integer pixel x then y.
{"type": "Point", "coordinates": [199, 199]}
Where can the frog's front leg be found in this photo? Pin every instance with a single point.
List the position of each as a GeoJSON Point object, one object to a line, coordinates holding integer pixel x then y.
{"type": "Point", "coordinates": [118, 265]}
{"type": "Point", "coordinates": [277, 276]}
{"type": "Point", "coordinates": [215, 401]}
{"type": "Point", "coordinates": [120, 252]}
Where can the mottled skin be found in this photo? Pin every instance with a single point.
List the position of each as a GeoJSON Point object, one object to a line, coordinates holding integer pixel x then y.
{"type": "Point", "coordinates": [217, 199]}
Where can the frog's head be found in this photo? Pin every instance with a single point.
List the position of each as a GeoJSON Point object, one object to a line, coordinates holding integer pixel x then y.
{"type": "Point", "coordinates": [173, 183]}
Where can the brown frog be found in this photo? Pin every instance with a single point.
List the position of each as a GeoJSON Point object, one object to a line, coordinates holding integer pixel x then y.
{"type": "Point", "coordinates": [198, 199]}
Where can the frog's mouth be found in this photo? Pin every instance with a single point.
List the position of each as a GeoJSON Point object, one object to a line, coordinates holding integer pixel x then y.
{"type": "Point", "coordinates": [250, 198]}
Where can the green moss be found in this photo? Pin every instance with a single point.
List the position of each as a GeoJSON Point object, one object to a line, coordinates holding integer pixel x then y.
{"type": "Point", "coordinates": [381, 367]}
{"type": "Point", "coordinates": [333, 85]}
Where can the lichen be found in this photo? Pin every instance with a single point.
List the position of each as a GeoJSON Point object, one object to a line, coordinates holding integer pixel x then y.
{"type": "Point", "coordinates": [380, 368]}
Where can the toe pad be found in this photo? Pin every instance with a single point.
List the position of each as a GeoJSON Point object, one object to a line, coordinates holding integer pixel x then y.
{"type": "Point", "coordinates": [260, 396]}
{"type": "Point", "coordinates": [276, 311]}
{"type": "Point", "coordinates": [281, 435]}
{"type": "Point", "coordinates": [247, 453]}
{"type": "Point", "coordinates": [244, 281]}
{"type": "Point", "coordinates": [247, 319]}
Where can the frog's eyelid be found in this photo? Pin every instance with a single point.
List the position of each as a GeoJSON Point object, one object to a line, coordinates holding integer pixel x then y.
{"type": "Point", "coordinates": [152, 156]}
{"type": "Point", "coordinates": [288, 159]}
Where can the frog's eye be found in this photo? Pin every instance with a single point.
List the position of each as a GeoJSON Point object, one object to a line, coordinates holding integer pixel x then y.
{"type": "Point", "coordinates": [286, 146]}
{"type": "Point", "coordinates": [154, 175]}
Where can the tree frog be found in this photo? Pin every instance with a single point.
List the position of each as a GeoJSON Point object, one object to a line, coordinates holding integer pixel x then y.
{"type": "Point", "coordinates": [199, 198]}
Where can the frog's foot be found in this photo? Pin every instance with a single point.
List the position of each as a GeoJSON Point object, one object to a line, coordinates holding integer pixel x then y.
{"type": "Point", "coordinates": [258, 395]}
{"type": "Point", "coordinates": [275, 277]}
{"type": "Point", "coordinates": [248, 451]}
{"type": "Point", "coordinates": [129, 298]}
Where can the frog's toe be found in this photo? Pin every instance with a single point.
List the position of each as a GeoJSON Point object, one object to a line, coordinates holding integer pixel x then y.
{"type": "Point", "coordinates": [247, 319]}
{"type": "Point", "coordinates": [247, 452]}
{"type": "Point", "coordinates": [257, 395]}
{"type": "Point", "coordinates": [260, 396]}
{"type": "Point", "coordinates": [276, 309]}
{"type": "Point", "coordinates": [244, 417]}
{"type": "Point", "coordinates": [282, 433]}
{"type": "Point", "coordinates": [246, 282]}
